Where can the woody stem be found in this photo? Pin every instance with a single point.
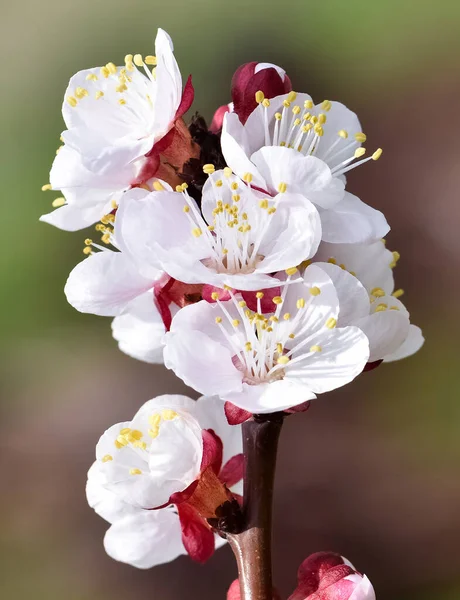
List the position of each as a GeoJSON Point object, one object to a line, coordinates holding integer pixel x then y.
{"type": "Point", "coordinates": [252, 547]}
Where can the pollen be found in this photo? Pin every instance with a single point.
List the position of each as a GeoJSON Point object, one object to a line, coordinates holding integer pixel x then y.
{"type": "Point", "coordinates": [154, 420]}
{"type": "Point", "coordinates": [138, 60]}
{"type": "Point", "coordinates": [266, 102]}
{"type": "Point", "coordinates": [46, 187]}
{"type": "Point", "coordinates": [87, 250]}
{"type": "Point", "coordinates": [88, 242]}
{"type": "Point", "coordinates": [360, 137]}
{"type": "Point", "coordinates": [135, 472]}
{"type": "Point", "coordinates": [283, 360]}
{"type": "Point", "coordinates": [99, 94]}
{"type": "Point", "coordinates": [168, 414]}
{"type": "Point", "coordinates": [91, 77]}
{"type": "Point", "coordinates": [57, 202]}
{"type": "Point", "coordinates": [248, 346]}
{"type": "Point", "coordinates": [157, 186]}
{"type": "Point", "coordinates": [209, 169]}
{"type": "Point", "coordinates": [287, 316]}
{"type": "Point", "coordinates": [260, 97]}
{"type": "Point", "coordinates": [331, 323]}
{"type": "Point", "coordinates": [111, 68]}
{"type": "Point", "coordinates": [322, 119]}
{"type": "Point", "coordinates": [291, 97]}
{"type": "Point", "coordinates": [282, 187]}
{"type": "Point", "coordinates": [235, 322]}
{"type": "Point", "coordinates": [227, 172]}
{"type": "Point", "coordinates": [296, 110]}
{"type": "Point", "coordinates": [277, 300]}
{"type": "Point", "coordinates": [122, 101]}
{"type": "Point", "coordinates": [326, 105]}
{"type": "Point", "coordinates": [105, 72]}
{"type": "Point", "coordinates": [186, 209]}
{"type": "Point", "coordinates": [332, 261]}
{"type": "Point", "coordinates": [196, 232]}
{"type": "Point", "coordinates": [315, 348]}
{"type": "Point", "coordinates": [359, 152]}
{"type": "Point", "coordinates": [150, 60]}
{"type": "Point", "coordinates": [292, 336]}
{"type": "Point", "coordinates": [218, 320]}
{"type": "Point", "coordinates": [343, 134]}
{"type": "Point", "coordinates": [377, 292]}
{"type": "Point", "coordinates": [278, 116]}
{"type": "Point", "coordinates": [219, 183]}
{"type": "Point", "coordinates": [377, 154]}
{"type": "Point", "coordinates": [259, 295]}
{"type": "Point", "coordinates": [107, 458]}
{"type": "Point", "coordinates": [153, 433]}
{"type": "Point", "coordinates": [315, 291]}
{"type": "Point", "coordinates": [308, 104]}
{"type": "Point", "coordinates": [247, 177]}
{"type": "Point", "coordinates": [300, 303]}
{"type": "Point", "coordinates": [72, 101]}
{"type": "Point", "coordinates": [263, 203]}
{"type": "Point", "coordinates": [121, 88]}
{"type": "Point", "coordinates": [291, 271]}
{"type": "Point", "coordinates": [121, 441]}
{"type": "Point", "coordinates": [381, 307]}
{"type": "Point", "coordinates": [398, 293]}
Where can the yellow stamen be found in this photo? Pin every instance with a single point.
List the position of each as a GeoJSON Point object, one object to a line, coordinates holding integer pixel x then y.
{"type": "Point", "coordinates": [107, 458]}
{"type": "Point", "coordinates": [315, 348]}
{"type": "Point", "coordinates": [315, 291]}
{"type": "Point", "coordinates": [58, 202]}
{"type": "Point", "coordinates": [331, 323]}
{"type": "Point", "coordinates": [135, 472]}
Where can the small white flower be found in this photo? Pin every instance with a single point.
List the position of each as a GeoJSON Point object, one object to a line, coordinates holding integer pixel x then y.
{"type": "Point", "coordinates": [238, 239]}
{"type": "Point", "coordinates": [147, 476]}
{"type": "Point", "coordinates": [374, 306]}
{"type": "Point", "coordinates": [288, 143]}
{"type": "Point", "coordinates": [268, 362]}
{"type": "Point", "coordinates": [114, 117]}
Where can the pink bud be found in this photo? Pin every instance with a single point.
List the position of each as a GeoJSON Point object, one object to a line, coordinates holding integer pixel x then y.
{"type": "Point", "coordinates": [252, 78]}
{"type": "Point", "coordinates": [329, 576]}
{"type": "Point", "coordinates": [218, 118]}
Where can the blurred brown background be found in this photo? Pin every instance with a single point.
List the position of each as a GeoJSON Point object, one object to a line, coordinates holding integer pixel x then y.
{"type": "Point", "coordinates": [371, 471]}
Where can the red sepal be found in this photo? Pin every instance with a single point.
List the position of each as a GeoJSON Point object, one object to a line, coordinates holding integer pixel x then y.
{"type": "Point", "coordinates": [179, 497]}
{"type": "Point", "coordinates": [236, 415]}
{"type": "Point", "coordinates": [208, 290]}
{"type": "Point", "coordinates": [245, 84]}
{"type": "Point", "coordinates": [316, 573]}
{"type": "Point", "coordinates": [197, 537]}
{"type": "Point", "coordinates": [233, 470]}
{"type": "Point", "coordinates": [188, 96]}
{"type": "Point", "coordinates": [299, 408]}
{"type": "Point", "coordinates": [266, 303]}
{"type": "Point", "coordinates": [370, 366]}
{"type": "Point", "coordinates": [212, 451]}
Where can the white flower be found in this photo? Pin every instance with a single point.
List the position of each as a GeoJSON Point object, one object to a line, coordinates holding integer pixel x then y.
{"type": "Point", "coordinates": [158, 478]}
{"type": "Point", "coordinates": [374, 306]}
{"type": "Point", "coordinates": [266, 363]}
{"type": "Point", "coordinates": [238, 239]}
{"type": "Point", "coordinates": [287, 143]}
{"type": "Point", "coordinates": [114, 116]}
{"type": "Point", "coordinates": [111, 283]}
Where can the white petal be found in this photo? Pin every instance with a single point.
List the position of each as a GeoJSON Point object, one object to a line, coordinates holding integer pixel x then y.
{"type": "Point", "coordinates": [353, 222]}
{"type": "Point", "coordinates": [209, 411]}
{"type": "Point", "coordinates": [236, 150]}
{"type": "Point", "coordinates": [304, 175]}
{"type": "Point", "coordinates": [73, 218]}
{"type": "Point", "coordinates": [168, 84]}
{"type": "Point", "coordinates": [344, 354]}
{"type": "Point", "coordinates": [370, 262]}
{"type": "Point", "coordinates": [107, 504]}
{"type": "Point", "coordinates": [363, 590]}
{"type": "Point", "coordinates": [353, 297]}
{"type": "Point", "coordinates": [146, 539]}
{"type": "Point", "coordinates": [271, 397]}
{"type": "Point", "coordinates": [412, 344]}
{"type": "Point", "coordinates": [293, 236]}
{"type": "Point", "coordinates": [139, 331]}
{"type": "Point", "coordinates": [169, 462]}
{"type": "Point", "coordinates": [386, 330]}
{"type": "Point", "coordinates": [201, 363]}
{"type": "Point", "coordinates": [104, 284]}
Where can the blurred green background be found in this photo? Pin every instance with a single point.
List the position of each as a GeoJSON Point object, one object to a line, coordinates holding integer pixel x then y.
{"type": "Point", "coordinates": [371, 471]}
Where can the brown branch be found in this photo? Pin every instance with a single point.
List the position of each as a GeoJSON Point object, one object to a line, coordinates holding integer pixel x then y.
{"type": "Point", "coordinates": [252, 547]}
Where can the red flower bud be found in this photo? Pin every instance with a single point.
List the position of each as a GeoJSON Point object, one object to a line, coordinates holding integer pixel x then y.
{"type": "Point", "coordinates": [329, 576]}
{"type": "Point", "coordinates": [252, 78]}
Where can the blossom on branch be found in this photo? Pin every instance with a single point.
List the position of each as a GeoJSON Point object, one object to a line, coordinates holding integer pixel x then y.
{"type": "Point", "coordinates": [268, 362]}
{"type": "Point", "coordinates": [120, 121]}
{"type": "Point", "coordinates": [289, 144]}
{"type": "Point", "coordinates": [158, 479]}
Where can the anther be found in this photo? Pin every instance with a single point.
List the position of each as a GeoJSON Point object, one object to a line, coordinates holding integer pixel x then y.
{"type": "Point", "coordinates": [72, 101]}
{"type": "Point", "coordinates": [343, 134]}
{"type": "Point", "coordinates": [247, 177]}
{"type": "Point", "coordinates": [300, 303]}
{"type": "Point", "coordinates": [377, 154]}
{"type": "Point", "coordinates": [158, 187]}
{"type": "Point", "coordinates": [315, 348]}
{"type": "Point", "coordinates": [47, 187]}
{"type": "Point", "coordinates": [315, 290]}
{"type": "Point", "coordinates": [360, 137]}
{"type": "Point", "coordinates": [283, 360]}
{"type": "Point", "coordinates": [138, 60]}
{"type": "Point", "coordinates": [107, 458]}
{"type": "Point", "coordinates": [397, 293]}
{"type": "Point", "coordinates": [260, 97]}
{"type": "Point", "coordinates": [277, 300]}
{"type": "Point", "coordinates": [282, 187]}
{"type": "Point", "coordinates": [377, 292]}
{"type": "Point", "coordinates": [359, 152]}
{"type": "Point", "coordinates": [208, 169]}
{"type": "Point", "coordinates": [57, 202]}
{"type": "Point", "coordinates": [111, 68]}
{"type": "Point", "coordinates": [135, 472]}
{"type": "Point", "coordinates": [150, 60]}
{"type": "Point", "coordinates": [91, 77]}
{"type": "Point", "coordinates": [81, 92]}
{"type": "Point", "coordinates": [99, 94]}
{"type": "Point", "coordinates": [331, 323]}
{"type": "Point", "coordinates": [218, 320]}
{"type": "Point", "coordinates": [291, 271]}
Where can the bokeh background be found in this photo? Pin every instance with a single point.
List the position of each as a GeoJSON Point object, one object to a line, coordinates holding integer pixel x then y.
{"type": "Point", "coordinates": [371, 471]}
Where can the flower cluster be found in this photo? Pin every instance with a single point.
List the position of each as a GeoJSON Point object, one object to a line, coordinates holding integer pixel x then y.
{"type": "Point", "coordinates": [235, 255]}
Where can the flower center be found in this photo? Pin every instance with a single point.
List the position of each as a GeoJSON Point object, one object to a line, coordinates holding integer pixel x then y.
{"type": "Point", "coordinates": [233, 235]}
